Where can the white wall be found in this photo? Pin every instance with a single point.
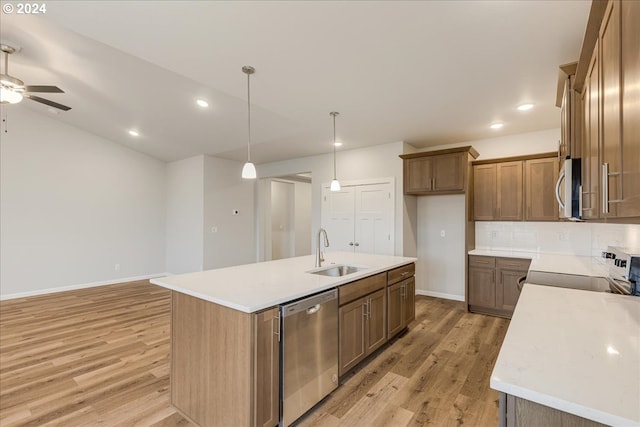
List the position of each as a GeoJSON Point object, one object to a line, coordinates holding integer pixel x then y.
{"type": "Point", "coordinates": [74, 205]}
{"type": "Point", "coordinates": [185, 215]}
{"type": "Point", "coordinates": [511, 145]}
{"type": "Point", "coordinates": [225, 192]}
{"type": "Point", "coordinates": [379, 161]}
{"type": "Point", "coordinates": [441, 259]}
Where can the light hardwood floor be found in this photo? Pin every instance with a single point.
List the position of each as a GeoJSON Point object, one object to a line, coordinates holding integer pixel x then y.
{"type": "Point", "coordinates": [100, 357]}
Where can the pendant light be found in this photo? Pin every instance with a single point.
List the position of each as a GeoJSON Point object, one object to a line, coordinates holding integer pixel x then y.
{"type": "Point", "coordinates": [249, 169]}
{"type": "Point", "coordinates": [335, 184]}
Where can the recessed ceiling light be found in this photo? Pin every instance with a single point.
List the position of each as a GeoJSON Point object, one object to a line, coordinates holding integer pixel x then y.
{"type": "Point", "coordinates": [134, 132]}
{"type": "Point", "coordinates": [497, 125]}
{"type": "Point", "coordinates": [338, 144]}
{"type": "Point", "coordinates": [202, 103]}
{"type": "Point", "coordinates": [525, 107]}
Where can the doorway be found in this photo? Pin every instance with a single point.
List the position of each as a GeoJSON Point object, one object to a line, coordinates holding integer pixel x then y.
{"type": "Point", "coordinates": [287, 222]}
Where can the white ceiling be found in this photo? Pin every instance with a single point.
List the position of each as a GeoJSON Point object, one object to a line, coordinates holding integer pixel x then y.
{"type": "Point", "coordinates": [424, 72]}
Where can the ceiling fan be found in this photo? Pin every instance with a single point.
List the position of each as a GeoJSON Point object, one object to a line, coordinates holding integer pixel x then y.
{"type": "Point", "coordinates": [13, 90]}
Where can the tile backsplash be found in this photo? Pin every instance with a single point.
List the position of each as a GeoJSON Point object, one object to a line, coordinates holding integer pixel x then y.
{"type": "Point", "coordinates": [577, 238]}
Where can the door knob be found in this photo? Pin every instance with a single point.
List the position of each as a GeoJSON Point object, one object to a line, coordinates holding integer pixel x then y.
{"type": "Point", "coordinates": [357, 244]}
{"type": "Point", "coordinates": [350, 243]}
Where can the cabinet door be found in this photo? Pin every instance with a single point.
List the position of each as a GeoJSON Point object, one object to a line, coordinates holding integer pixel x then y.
{"type": "Point", "coordinates": [394, 311]}
{"type": "Point", "coordinates": [409, 301]}
{"type": "Point", "coordinates": [591, 140]}
{"type": "Point", "coordinates": [417, 175]}
{"type": "Point", "coordinates": [630, 45]}
{"type": "Point", "coordinates": [610, 144]}
{"type": "Point", "coordinates": [509, 189]}
{"type": "Point", "coordinates": [267, 368]}
{"type": "Point", "coordinates": [484, 192]}
{"type": "Point", "coordinates": [352, 334]}
{"type": "Point", "coordinates": [540, 181]}
{"type": "Point", "coordinates": [482, 287]}
{"type": "Point", "coordinates": [507, 291]}
{"type": "Point", "coordinates": [376, 325]}
{"type": "Point", "coordinates": [448, 172]}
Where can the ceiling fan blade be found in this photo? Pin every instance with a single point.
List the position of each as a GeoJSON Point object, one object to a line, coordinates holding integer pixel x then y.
{"type": "Point", "coordinates": [47, 102]}
{"type": "Point", "coordinates": [43, 89]}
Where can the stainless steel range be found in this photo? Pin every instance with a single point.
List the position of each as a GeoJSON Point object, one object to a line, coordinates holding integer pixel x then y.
{"type": "Point", "coordinates": [624, 270]}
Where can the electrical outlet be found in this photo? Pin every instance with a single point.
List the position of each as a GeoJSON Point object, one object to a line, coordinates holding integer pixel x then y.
{"type": "Point", "coordinates": [117, 267]}
{"type": "Point", "coordinates": [443, 233]}
{"type": "Point", "coordinates": [214, 229]}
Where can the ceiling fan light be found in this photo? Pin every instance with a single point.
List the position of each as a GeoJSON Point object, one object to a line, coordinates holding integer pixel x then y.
{"type": "Point", "coordinates": [249, 171]}
{"type": "Point", "coordinates": [8, 96]}
{"type": "Point", "coordinates": [335, 185]}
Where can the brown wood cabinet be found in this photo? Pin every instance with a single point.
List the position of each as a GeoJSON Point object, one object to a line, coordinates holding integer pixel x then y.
{"type": "Point", "coordinates": [493, 284]}
{"type": "Point", "coordinates": [207, 385]}
{"type": "Point", "coordinates": [540, 176]}
{"type": "Point", "coordinates": [610, 69]}
{"type": "Point", "coordinates": [518, 412]}
{"type": "Point", "coordinates": [401, 292]}
{"type": "Point", "coordinates": [516, 188]}
{"type": "Point", "coordinates": [591, 140]}
{"type": "Point", "coordinates": [363, 326]}
{"type": "Point", "coordinates": [437, 172]}
{"type": "Point", "coordinates": [267, 368]}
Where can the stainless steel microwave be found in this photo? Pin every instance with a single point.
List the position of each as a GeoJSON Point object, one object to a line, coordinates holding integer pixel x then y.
{"type": "Point", "coordinates": [569, 189]}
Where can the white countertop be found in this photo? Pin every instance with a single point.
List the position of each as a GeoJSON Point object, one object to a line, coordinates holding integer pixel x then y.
{"type": "Point", "coordinates": [253, 287]}
{"type": "Point", "coordinates": [575, 351]}
{"type": "Point", "coordinates": [554, 263]}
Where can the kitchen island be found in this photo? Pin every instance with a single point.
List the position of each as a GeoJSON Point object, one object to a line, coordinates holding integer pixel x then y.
{"type": "Point", "coordinates": [225, 329]}
{"type": "Point", "coordinates": [570, 353]}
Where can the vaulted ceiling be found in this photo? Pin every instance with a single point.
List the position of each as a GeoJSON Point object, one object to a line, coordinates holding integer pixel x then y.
{"type": "Point", "coordinates": [424, 72]}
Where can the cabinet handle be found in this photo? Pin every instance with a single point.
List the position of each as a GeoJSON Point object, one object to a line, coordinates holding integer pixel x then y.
{"type": "Point", "coordinates": [605, 188]}
{"type": "Point", "coordinates": [403, 291]}
{"type": "Point", "coordinates": [277, 331]}
{"type": "Point", "coordinates": [529, 212]}
{"type": "Point", "coordinates": [365, 309]}
{"type": "Point", "coordinates": [404, 273]}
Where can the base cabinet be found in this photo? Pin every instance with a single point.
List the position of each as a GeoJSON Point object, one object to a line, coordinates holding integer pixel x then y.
{"type": "Point", "coordinates": [267, 368]}
{"type": "Point", "coordinates": [401, 300]}
{"type": "Point", "coordinates": [518, 412]}
{"type": "Point", "coordinates": [493, 284]}
{"type": "Point", "coordinates": [362, 329]}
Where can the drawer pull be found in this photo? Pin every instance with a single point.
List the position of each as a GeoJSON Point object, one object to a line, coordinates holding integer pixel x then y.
{"type": "Point", "coordinates": [404, 273]}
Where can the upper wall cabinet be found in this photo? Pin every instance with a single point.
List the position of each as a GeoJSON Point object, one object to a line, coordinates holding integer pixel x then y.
{"type": "Point", "coordinates": [437, 172]}
{"type": "Point", "coordinates": [516, 188]}
{"type": "Point", "coordinates": [608, 75]}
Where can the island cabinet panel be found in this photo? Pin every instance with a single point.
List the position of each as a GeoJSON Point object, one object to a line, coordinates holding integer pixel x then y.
{"type": "Point", "coordinates": [518, 412]}
{"type": "Point", "coordinates": [245, 391]}
{"type": "Point", "coordinates": [540, 180]}
{"type": "Point", "coordinates": [362, 287]}
{"type": "Point", "coordinates": [376, 320]}
{"type": "Point", "coordinates": [353, 347]}
{"type": "Point", "coordinates": [267, 368]}
{"type": "Point", "coordinates": [401, 303]}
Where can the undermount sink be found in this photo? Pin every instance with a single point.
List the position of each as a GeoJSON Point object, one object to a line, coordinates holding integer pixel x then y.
{"type": "Point", "coordinates": [338, 270]}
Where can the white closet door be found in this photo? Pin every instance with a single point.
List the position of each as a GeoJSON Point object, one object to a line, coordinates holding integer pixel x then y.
{"type": "Point", "coordinates": [338, 218]}
{"type": "Point", "coordinates": [374, 219]}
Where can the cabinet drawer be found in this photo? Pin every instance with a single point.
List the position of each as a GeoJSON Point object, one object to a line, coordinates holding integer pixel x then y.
{"type": "Point", "coordinates": [513, 263]}
{"type": "Point", "coordinates": [482, 261]}
{"type": "Point", "coordinates": [359, 288]}
{"type": "Point", "coordinates": [401, 273]}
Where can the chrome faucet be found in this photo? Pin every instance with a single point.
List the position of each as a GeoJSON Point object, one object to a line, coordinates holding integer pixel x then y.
{"type": "Point", "coordinates": [319, 257]}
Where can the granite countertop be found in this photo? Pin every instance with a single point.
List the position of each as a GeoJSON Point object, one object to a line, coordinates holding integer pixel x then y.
{"type": "Point", "coordinates": [575, 351]}
{"type": "Point", "coordinates": [253, 287]}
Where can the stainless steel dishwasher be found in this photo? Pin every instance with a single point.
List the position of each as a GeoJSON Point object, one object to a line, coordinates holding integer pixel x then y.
{"type": "Point", "coordinates": [309, 356]}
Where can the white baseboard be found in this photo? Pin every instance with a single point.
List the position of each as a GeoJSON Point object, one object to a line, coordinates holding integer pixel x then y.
{"type": "Point", "coordinates": [80, 286]}
{"type": "Point", "coordinates": [440, 295]}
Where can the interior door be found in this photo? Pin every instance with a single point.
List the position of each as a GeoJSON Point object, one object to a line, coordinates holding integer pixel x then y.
{"type": "Point", "coordinates": [338, 218]}
{"type": "Point", "coordinates": [374, 219]}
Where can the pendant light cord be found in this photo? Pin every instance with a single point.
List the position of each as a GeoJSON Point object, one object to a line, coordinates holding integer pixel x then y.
{"type": "Point", "coordinates": [249, 117]}
{"type": "Point", "coordinates": [334, 146]}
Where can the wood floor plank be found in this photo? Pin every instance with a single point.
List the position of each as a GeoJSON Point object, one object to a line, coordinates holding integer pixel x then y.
{"type": "Point", "coordinates": [100, 357]}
